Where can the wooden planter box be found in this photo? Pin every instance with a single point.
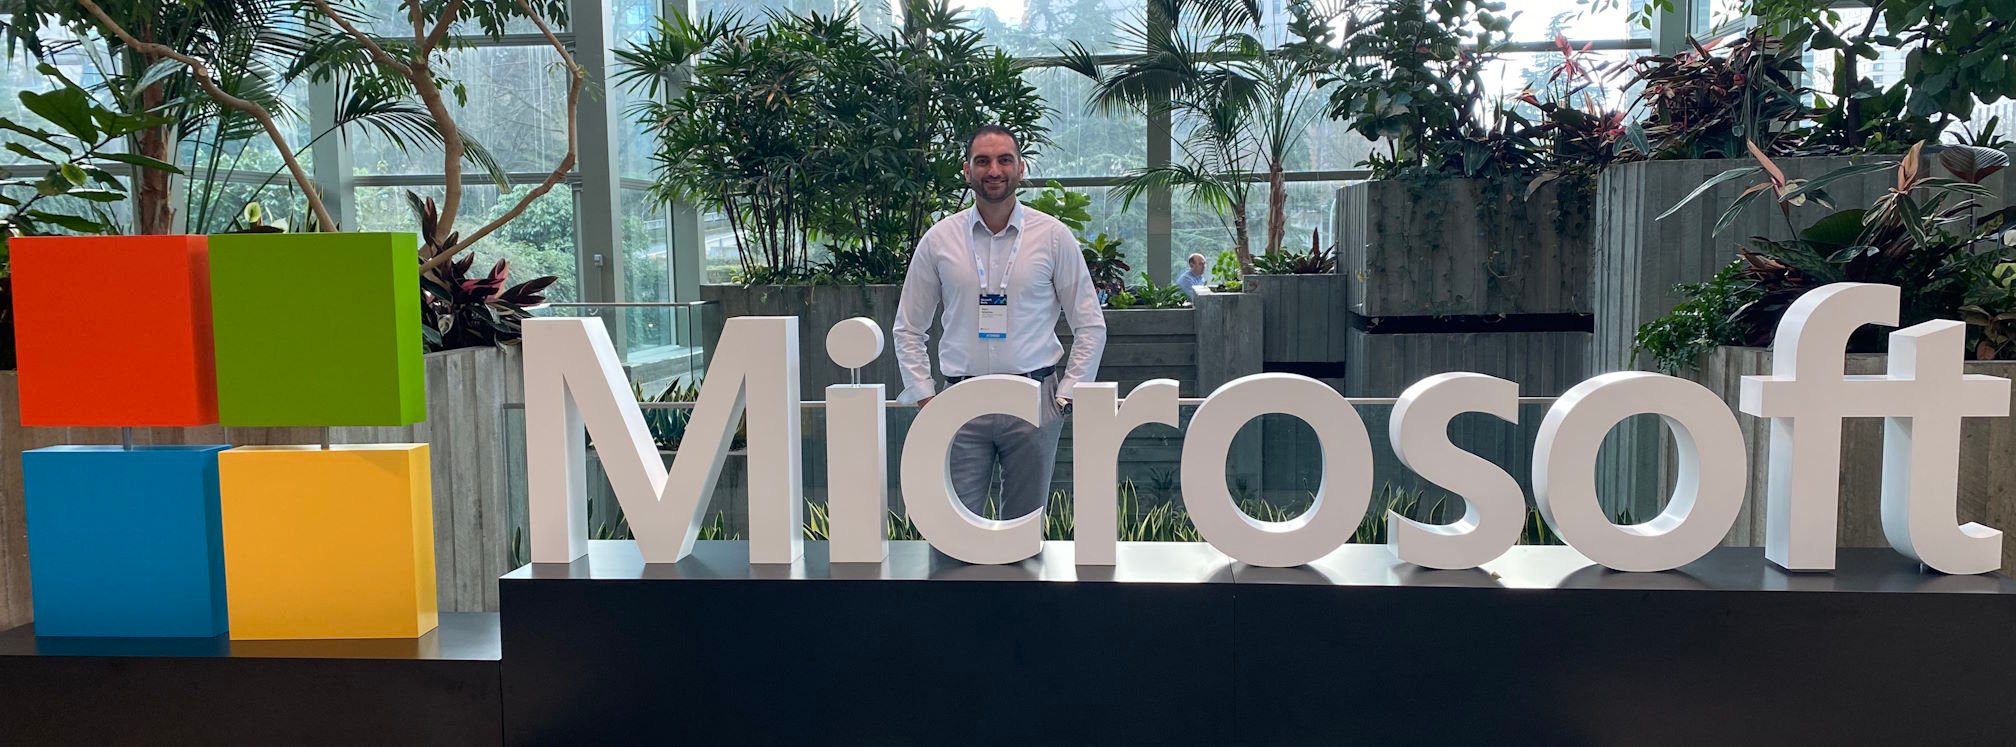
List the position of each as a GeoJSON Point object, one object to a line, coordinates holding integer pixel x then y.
{"type": "Point", "coordinates": [1639, 259]}
{"type": "Point", "coordinates": [466, 392]}
{"type": "Point", "coordinates": [1987, 456]}
{"type": "Point", "coordinates": [1231, 331]}
{"type": "Point", "coordinates": [1459, 247]}
{"type": "Point", "coordinates": [1143, 344]}
{"type": "Point", "coordinates": [1464, 275]}
{"type": "Point", "coordinates": [1304, 317]}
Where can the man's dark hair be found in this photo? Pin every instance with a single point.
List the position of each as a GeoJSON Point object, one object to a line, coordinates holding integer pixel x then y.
{"type": "Point", "coordinates": [992, 129]}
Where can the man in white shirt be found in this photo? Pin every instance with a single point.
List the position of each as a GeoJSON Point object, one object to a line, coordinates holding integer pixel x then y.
{"type": "Point", "coordinates": [1192, 277]}
{"type": "Point", "coordinates": [1000, 273]}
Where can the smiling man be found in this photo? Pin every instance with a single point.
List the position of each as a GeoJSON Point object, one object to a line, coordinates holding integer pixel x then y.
{"type": "Point", "coordinates": [1000, 273]}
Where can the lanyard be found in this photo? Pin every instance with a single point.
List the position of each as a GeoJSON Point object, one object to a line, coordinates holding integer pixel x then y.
{"type": "Point", "coordinates": [980, 265]}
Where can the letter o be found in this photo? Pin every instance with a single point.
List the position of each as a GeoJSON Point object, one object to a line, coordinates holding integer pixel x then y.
{"type": "Point", "coordinates": [1347, 470]}
{"type": "Point", "coordinates": [1706, 499]}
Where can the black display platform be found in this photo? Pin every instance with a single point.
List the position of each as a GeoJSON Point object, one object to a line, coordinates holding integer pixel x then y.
{"type": "Point", "coordinates": [1177, 644]}
{"type": "Point", "coordinates": [439, 689]}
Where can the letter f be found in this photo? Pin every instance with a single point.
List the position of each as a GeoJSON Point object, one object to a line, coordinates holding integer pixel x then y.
{"type": "Point", "coordinates": [1922, 399]}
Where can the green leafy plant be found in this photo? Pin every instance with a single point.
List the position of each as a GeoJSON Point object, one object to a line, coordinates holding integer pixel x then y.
{"type": "Point", "coordinates": [807, 131]}
{"type": "Point", "coordinates": [1103, 260]}
{"type": "Point", "coordinates": [1924, 235]}
{"type": "Point", "coordinates": [1702, 322]}
{"type": "Point", "coordinates": [1708, 100]}
{"type": "Point", "coordinates": [1317, 261]}
{"type": "Point", "coordinates": [459, 311]}
{"type": "Point", "coordinates": [341, 48]}
{"type": "Point", "coordinates": [1068, 206]}
{"type": "Point", "coordinates": [668, 424]}
{"type": "Point", "coordinates": [1106, 265]}
{"type": "Point", "coordinates": [1148, 295]}
{"type": "Point", "coordinates": [1991, 309]}
{"type": "Point", "coordinates": [1412, 73]}
{"type": "Point", "coordinates": [1202, 61]}
{"type": "Point", "coordinates": [1958, 55]}
{"type": "Point", "coordinates": [85, 138]}
{"type": "Point", "coordinates": [1225, 273]}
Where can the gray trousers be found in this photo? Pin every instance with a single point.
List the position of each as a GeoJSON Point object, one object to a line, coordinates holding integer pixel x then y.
{"type": "Point", "coordinates": [1026, 453]}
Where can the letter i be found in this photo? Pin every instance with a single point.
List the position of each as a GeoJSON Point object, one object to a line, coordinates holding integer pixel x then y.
{"type": "Point", "coordinates": [857, 448]}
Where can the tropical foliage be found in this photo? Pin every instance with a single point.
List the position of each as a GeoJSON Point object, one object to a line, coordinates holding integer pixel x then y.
{"type": "Point", "coordinates": [460, 311]}
{"type": "Point", "coordinates": [807, 131]}
{"type": "Point", "coordinates": [1245, 107]}
{"type": "Point", "coordinates": [1317, 261]}
{"type": "Point", "coordinates": [1926, 235]}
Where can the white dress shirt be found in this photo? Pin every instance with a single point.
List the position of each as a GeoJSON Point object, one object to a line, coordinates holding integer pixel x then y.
{"type": "Point", "coordinates": [1047, 275]}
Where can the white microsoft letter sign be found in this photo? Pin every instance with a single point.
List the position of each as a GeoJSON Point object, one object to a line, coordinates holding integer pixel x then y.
{"type": "Point", "coordinates": [574, 384]}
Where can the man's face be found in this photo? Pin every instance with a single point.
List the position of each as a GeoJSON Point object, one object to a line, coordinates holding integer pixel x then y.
{"type": "Point", "coordinates": [993, 169]}
{"type": "Point", "coordinates": [1197, 265]}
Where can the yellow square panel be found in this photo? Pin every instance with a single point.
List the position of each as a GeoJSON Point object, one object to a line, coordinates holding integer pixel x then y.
{"type": "Point", "coordinates": [328, 543]}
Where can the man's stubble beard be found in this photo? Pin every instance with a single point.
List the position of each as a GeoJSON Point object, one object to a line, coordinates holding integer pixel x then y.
{"type": "Point", "coordinates": [1008, 193]}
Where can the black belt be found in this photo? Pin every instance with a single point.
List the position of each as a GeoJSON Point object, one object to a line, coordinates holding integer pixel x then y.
{"type": "Point", "coordinates": [1038, 374]}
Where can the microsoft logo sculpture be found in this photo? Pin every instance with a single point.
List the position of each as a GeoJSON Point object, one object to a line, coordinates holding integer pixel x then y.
{"type": "Point", "coordinates": [241, 330]}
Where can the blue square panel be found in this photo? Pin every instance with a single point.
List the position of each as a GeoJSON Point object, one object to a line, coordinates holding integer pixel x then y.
{"type": "Point", "coordinates": [125, 543]}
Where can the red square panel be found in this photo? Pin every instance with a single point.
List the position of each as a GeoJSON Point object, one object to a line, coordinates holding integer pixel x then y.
{"type": "Point", "coordinates": [114, 330]}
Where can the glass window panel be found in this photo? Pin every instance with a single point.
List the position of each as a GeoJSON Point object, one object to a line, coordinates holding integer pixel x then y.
{"type": "Point", "coordinates": [635, 140]}
{"type": "Point", "coordinates": [1886, 70]}
{"type": "Point", "coordinates": [219, 205]}
{"type": "Point", "coordinates": [390, 18]}
{"type": "Point", "coordinates": [1540, 20]}
{"type": "Point", "coordinates": [1515, 72]}
{"type": "Point", "coordinates": [1083, 143]}
{"type": "Point", "coordinates": [647, 244]}
{"type": "Point", "coordinates": [1129, 224]}
{"type": "Point", "coordinates": [1715, 14]}
{"type": "Point", "coordinates": [516, 107]}
{"type": "Point", "coordinates": [118, 215]}
{"type": "Point", "coordinates": [1033, 28]}
{"type": "Point", "coordinates": [718, 260]}
{"type": "Point", "coordinates": [1201, 230]}
{"type": "Point", "coordinates": [539, 242]}
{"type": "Point", "coordinates": [242, 165]}
{"type": "Point", "coordinates": [634, 19]}
{"type": "Point", "coordinates": [1323, 144]}
{"type": "Point", "coordinates": [82, 64]}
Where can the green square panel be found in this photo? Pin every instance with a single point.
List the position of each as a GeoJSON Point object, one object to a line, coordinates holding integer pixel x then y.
{"type": "Point", "coordinates": [316, 329]}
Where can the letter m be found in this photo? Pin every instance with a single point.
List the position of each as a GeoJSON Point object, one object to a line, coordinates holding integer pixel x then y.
{"type": "Point", "coordinates": [574, 386]}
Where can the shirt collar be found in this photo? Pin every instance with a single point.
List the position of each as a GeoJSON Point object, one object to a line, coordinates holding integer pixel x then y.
{"type": "Point", "coordinates": [1014, 219]}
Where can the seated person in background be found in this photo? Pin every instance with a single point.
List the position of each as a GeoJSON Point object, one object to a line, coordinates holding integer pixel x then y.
{"type": "Point", "coordinates": [1192, 277]}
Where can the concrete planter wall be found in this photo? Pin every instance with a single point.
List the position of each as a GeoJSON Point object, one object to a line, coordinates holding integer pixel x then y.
{"type": "Point", "coordinates": [1455, 247]}
{"type": "Point", "coordinates": [1987, 456]}
{"type": "Point", "coordinates": [466, 391]}
{"type": "Point", "coordinates": [818, 308]}
{"type": "Point", "coordinates": [1639, 260]}
{"type": "Point", "coordinates": [1303, 317]}
{"type": "Point", "coordinates": [1230, 337]}
{"type": "Point", "coordinates": [1463, 275]}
